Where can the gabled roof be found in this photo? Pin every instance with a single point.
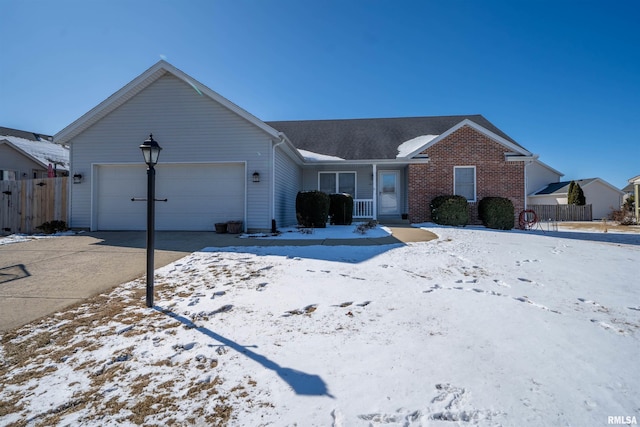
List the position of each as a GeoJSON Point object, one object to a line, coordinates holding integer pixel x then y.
{"type": "Point", "coordinates": [562, 188]}
{"type": "Point", "coordinates": [136, 86]}
{"type": "Point", "coordinates": [631, 187]}
{"type": "Point", "coordinates": [24, 134]}
{"type": "Point", "coordinates": [359, 139]}
{"type": "Point", "coordinates": [42, 151]}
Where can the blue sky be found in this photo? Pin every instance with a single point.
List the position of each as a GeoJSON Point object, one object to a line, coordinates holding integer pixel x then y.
{"type": "Point", "coordinates": [561, 77]}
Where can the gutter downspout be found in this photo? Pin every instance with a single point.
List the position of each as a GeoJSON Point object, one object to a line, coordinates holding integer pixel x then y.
{"type": "Point", "coordinates": [273, 176]}
{"type": "Point", "coordinates": [636, 201]}
{"type": "Point", "coordinates": [375, 191]}
{"type": "Point", "coordinates": [527, 163]}
{"type": "Point", "coordinates": [525, 182]}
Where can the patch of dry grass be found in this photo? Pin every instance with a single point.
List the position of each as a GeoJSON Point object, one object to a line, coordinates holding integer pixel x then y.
{"type": "Point", "coordinates": [600, 226]}
{"type": "Point", "coordinates": [94, 339]}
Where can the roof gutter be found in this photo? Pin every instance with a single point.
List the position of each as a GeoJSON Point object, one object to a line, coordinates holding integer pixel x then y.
{"type": "Point", "coordinates": [512, 157]}
{"type": "Point", "coordinates": [308, 163]}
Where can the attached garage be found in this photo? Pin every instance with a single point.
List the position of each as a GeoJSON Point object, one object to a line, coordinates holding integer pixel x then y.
{"type": "Point", "coordinates": [198, 196]}
{"type": "Point", "coordinates": [219, 163]}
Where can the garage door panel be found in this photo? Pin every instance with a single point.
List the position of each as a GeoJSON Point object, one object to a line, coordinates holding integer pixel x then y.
{"type": "Point", "coordinates": [197, 196]}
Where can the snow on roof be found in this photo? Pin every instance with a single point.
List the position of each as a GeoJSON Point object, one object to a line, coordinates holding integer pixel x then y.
{"type": "Point", "coordinates": [408, 147]}
{"type": "Point", "coordinates": [42, 151]}
{"type": "Point", "coordinates": [310, 156]}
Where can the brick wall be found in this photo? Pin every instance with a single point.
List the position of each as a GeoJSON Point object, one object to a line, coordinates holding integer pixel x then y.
{"type": "Point", "coordinates": [495, 177]}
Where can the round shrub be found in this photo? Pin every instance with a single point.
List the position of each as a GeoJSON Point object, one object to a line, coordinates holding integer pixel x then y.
{"type": "Point", "coordinates": [497, 213]}
{"type": "Point", "coordinates": [312, 209]}
{"type": "Point", "coordinates": [450, 210]}
{"type": "Point", "coordinates": [341, 209]}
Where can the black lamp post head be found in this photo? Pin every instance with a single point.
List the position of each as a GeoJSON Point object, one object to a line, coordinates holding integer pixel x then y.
{"type": "Point", "coordinates": [150, 151]}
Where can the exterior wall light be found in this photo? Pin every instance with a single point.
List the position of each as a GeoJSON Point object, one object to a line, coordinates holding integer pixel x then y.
{"type": "Point", "coordinates": [77, 178]}
{"type": "Point", "coordinates": [256, 177]}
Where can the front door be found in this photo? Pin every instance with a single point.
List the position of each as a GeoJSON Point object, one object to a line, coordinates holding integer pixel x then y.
{"type": "Point", "coordinates": [388, 193]}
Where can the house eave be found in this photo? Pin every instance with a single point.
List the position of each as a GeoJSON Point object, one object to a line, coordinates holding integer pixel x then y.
{"type": "Point", "coordinates": [513, 157]}
{"type": "Point", "coordinates": [136, 86]}
{"type": "Point", "coordinates": [283, 139]}
{"type": "Point", "coordinates": [466, 122]}
{"type": "Point", "coordinates": [398, 162]}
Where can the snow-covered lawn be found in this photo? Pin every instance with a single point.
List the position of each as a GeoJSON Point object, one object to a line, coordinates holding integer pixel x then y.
{"type": "Point", "coordinates": [479, 327]}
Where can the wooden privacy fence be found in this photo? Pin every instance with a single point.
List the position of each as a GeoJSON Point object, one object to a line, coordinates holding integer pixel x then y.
{"type": "Point", "coordinates": [27, 204]}
{"type": "Point", "coordinates": [562, 212]}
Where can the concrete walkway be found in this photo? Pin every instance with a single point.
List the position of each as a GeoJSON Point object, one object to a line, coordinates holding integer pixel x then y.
{"type": "Point", "coordinates": [41, 277]}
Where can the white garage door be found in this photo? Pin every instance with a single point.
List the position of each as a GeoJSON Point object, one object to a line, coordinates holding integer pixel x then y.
{"type": "Point", "coordinates": [198, 196]}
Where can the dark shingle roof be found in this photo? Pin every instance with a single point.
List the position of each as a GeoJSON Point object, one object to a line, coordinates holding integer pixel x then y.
{"type": "Point", "coordinates": [629, 188]}
{"type": "Point", "coordinates": [357, 139]}
{"type": "Point", "coordinates": [562, 187]}
{"type": "Point", "coordinates": [24, 134]}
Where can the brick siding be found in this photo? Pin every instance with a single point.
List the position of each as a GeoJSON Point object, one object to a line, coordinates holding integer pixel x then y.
{"type": "Point", "coordinates": [495, 177]}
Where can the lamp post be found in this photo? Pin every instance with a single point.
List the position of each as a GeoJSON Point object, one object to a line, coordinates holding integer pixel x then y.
{"type": "Point", "coordinates": [151, 152]}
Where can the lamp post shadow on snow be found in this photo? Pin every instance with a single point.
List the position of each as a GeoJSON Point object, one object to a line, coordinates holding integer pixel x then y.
{"type": "Point", "coordinates": [301, 382]}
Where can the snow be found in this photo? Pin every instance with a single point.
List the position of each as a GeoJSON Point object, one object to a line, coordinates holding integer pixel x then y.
{"type": "Point", "coordinates": [19, 238]}
{"type": "Point", "coordinates": [479, 327]}
{"type": "Point", "coordinates": [330, 232]}
{"type": "Point", "coordinates": [310, 156]}
{"type": "Point", "coordinates": [44, 151]}
{"type": "Point", "coordinates": [408, 147]}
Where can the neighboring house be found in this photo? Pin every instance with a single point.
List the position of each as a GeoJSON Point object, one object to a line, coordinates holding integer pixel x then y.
{"type": "Point", "coordinates": [221, 163]}
{"type": "Point", "coordinates": [602, 196]}
{"type": "Point", "coordinates": [630, 188]}
{"type": "Point", "coordinates": [633, 189]}
{"type": "Point", "coordinates": [26, 155]}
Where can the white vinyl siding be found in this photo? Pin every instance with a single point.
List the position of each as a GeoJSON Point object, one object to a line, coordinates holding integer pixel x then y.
{"type": "Point", "coordinates": [288, 181]}
{"type": "Point", "coordinates": [15, 165]}
{"type": "Point", "coordinates": [538, 177]}
{"type": "Point", "coordinates": [464, 182]}
{"type": "Point", "coordinates": [190, 128]}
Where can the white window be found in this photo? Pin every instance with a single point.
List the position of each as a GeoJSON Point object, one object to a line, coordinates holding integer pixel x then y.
{"type": "Point", "coordinates": [6, 175]}
{"type": "Point", "coordinates": [337, 182]}
{"type": "Point", "coordinates": [464, 182]}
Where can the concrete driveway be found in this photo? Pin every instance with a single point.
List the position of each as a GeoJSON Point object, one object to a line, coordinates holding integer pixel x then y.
{"type": "Point", "coordinates": [41, 277]}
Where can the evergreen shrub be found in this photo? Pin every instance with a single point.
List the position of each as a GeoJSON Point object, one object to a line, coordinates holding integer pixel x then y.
{"type": "Point", "coordinates": [497, 213]}
{"type": "Point", "coordinates": [575, 196]}
{"type": "Point", "coordinates": [312, 209]}
{"type": "Point", "coordinates": [52, 227]}
{"type": "Point", "coordinates": [341, 209]}
{"type": "Point", "coordinates": [450, 210]}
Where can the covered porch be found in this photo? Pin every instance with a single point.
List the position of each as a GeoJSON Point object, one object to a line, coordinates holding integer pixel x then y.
{"type": "Point", "coordinates": [379, 189]}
